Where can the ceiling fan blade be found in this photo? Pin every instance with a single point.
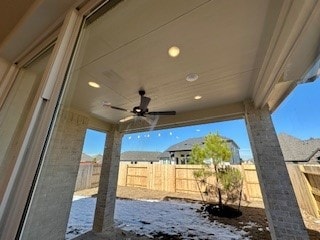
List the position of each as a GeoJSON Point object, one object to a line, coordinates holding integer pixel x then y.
{"type": "Point", "coordinates": [126, 119]}
{"type": "Point", "coordinates": [144, 102]}
{"type": "Point", "coordinates": [162, 113]}
{"type": "Point", "coordinates": [107, 104]}
{"type": "Point", "coordinates": [121, 109]}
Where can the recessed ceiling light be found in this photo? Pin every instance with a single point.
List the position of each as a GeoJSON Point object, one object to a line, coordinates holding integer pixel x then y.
{"type": "Point", "coordinates": [94, 84]}
{"type": "Point", "coordinates": [197, 97]}
{"type": "Point", "coordinates": [174, 51]}
{"type": "Point", "coordinates": [191, 77]}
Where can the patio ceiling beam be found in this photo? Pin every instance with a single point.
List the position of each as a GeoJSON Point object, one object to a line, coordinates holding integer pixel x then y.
{"type": "Point", "coordinates": [207, 115]}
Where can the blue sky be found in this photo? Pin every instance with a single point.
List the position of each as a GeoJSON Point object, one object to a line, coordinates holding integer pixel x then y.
{"type": "Point", "coordinates": [94, 142]}
{"type": "Point", "coordinates": [298, 115]}
{"type": "Point", "coordinates": [162, 139]}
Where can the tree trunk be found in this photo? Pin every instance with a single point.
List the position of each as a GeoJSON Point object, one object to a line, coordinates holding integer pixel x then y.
{"type": "Point", "coordinates": [220, 199]}
{"type": "Point", "coordinates": [218, 189]}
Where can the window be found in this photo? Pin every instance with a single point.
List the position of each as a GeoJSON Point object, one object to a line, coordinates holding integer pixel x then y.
{"type": "Point", "coordinates": [14, 113]}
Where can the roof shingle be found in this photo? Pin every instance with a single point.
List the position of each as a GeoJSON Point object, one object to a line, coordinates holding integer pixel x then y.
{"type": "Point", "coordinates": [140, 156]}
{"type": "Point", "coordinates": [294, 149]}
{"type": "Point", "coordinates": [189, 143]}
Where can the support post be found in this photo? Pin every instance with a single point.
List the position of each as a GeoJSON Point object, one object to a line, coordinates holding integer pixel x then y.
{"type": "Point", "coordinates": [282, 210]}
{"type": "Point", "coordinates": [104, 213]}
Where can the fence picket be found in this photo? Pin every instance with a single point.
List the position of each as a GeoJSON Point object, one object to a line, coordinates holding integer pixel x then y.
{"type": "Point", "coordinates": [179, 178]}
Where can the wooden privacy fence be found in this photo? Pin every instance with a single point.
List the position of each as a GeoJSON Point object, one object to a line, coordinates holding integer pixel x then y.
{"type": "Point", "coordinates": [84, 178]}
{"type": "Point", "coordinates": [163, 177]}
{"type": "Point", "coordinates": [251, 187]}
{"type": "Point", "coordinates": [306, 184]}
{"type": "Point", "coordinates": [179, 178]}
{"type": "Point", "coordinates": [88, 176]}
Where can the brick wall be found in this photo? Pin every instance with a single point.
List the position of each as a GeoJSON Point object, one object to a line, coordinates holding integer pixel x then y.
{"type": "Point", "coordinates": [50, 207]}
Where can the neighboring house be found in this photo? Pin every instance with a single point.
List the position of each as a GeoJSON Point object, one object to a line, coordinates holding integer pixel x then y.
{"type": "Point", "coordinates": [248, 161]}
{"type": "Point", "coordinates": [135, 157]}
{"type": "Point", "coordinates": [296, 150]}
{"type": "Point", "coordinates": [95, 159]}
{"type": "Point", "coordinates": [86, 158]}
{"type": "Point", "coordinates": [165, 158]}
{"type": "Point", "coordinates": [180, 153]}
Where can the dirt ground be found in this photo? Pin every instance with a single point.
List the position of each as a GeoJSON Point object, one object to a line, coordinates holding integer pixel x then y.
{"type": "Point", "coordinates": [252, 212]}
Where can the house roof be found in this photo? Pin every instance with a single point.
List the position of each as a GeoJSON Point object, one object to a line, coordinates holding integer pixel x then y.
{"type": "Point", "coordinates": [313, 153]}
{"type": "Point", "coordinates": [140, 156]}
{"type": "Point", "coordinates": [86, 158]}
{"type": "Point", "coordinates": [189, 143]}
{"type": "Point", "coordinates": [295, 149]}
{"type": "Point", "coordinates": [164, 155]}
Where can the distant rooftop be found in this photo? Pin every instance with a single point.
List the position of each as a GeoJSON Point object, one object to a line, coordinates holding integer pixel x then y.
{"type": "Point", "coordinates": [86, 158]}
{"type": "Point", "coordinates": [140, 156]}
{"type": "Point", "coordinates": [189, 143]}
{"type": "Point", "coordinates": [295, 149]}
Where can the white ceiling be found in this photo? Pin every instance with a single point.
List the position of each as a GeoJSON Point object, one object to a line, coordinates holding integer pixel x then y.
{"type": "Point", "coordinates": [126, 49]}
{"type": "Point", "coordinates": [244, 49]}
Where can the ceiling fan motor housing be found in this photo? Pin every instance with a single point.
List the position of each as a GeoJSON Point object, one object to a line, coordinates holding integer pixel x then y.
{"type": "Point", "coordinates": [142, 109]}
{"type": "Point", "coordinates": [140, 112]}
{"type": "Point", "coordinates": [142, 92]}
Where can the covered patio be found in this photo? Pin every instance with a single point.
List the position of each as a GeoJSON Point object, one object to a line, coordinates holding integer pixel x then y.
{"type": "Point", "coordinates": [232, 60]}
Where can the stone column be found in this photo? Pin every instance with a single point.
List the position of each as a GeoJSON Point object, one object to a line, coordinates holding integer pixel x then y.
{"type": "Point", "coordinates": [104, 213]}
{"type": "Point", "coordinates": [282, 210]}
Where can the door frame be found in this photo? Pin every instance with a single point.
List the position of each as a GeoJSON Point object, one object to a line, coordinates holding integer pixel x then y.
{"type": "Point", "coordinates": [17, 194]}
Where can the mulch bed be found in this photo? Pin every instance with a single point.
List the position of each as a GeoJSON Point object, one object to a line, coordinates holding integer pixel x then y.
{"type": "Point", "coordinates": [252, 220]}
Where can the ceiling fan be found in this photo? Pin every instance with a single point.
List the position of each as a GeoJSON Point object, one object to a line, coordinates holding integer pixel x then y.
{"type": "Point", "coordinates": [141, 110]}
